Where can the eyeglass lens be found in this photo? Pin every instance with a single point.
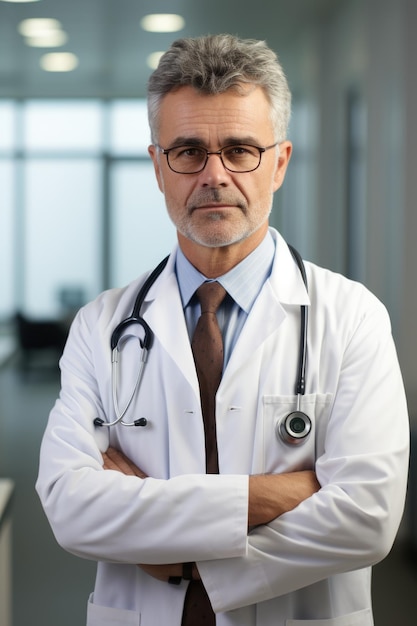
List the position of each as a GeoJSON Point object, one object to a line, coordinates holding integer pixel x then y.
{"type": "Point", "coordinates": [189, 160]}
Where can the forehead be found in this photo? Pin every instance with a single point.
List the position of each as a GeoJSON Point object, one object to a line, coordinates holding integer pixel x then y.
{"type": "Point", "coordinates": [186, 112]}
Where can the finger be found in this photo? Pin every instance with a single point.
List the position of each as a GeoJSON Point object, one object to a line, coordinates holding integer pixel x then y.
{"type": "Point", "coordinates": [116, 464]}
{"type": "Point", "coordinates": [115, 459]}
{"type": "Point", "coordinates": [118, 461]}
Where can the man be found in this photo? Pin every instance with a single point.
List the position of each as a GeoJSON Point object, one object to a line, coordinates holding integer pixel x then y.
{"type": "Point", "coordinates": [257, 527]}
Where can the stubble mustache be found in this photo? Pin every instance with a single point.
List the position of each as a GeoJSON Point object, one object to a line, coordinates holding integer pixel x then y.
{"type": "Point", "coordinates": [215, 196]}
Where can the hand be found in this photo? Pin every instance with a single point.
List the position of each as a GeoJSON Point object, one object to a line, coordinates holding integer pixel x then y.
{"type": "Point", "coordinates": [271, 495]}
{"type": "Point", "coordinates": [115, 460]}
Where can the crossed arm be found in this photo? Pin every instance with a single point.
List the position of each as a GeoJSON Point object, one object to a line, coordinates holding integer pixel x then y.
{"type": "Point", "coordinates": [270, 495]}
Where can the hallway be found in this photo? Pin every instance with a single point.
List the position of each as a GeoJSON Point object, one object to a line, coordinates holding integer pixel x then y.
{"type": "Point", "coordinates": [50, 586]}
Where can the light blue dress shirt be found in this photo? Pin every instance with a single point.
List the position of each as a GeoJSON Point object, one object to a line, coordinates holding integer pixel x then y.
{"type": "Point", "coordinates": [243, 284]}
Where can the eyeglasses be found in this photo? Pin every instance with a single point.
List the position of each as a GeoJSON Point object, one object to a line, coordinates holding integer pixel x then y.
{"type": "Point", "coordinates": [239, 158]}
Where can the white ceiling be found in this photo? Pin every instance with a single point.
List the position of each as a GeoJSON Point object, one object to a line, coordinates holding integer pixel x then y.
{"type": "Point", "coordinates": [112, 48]}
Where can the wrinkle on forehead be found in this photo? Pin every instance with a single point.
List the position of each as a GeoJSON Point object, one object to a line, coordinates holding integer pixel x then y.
{"type": "Point", "coordinates": [212, 120]}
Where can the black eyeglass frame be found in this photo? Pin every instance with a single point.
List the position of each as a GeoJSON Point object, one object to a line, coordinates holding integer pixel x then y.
{"type": "Point", "coordinates": [219, 153]}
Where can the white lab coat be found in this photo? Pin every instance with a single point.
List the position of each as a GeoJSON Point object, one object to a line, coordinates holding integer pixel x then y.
{"type": "Point", "coordinates": [311, 565]}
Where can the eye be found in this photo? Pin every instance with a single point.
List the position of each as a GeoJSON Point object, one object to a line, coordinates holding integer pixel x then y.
{"type": "Point", "coordinates": [235, 152]}
{"type": "Point", "coordinates": [187, 152]}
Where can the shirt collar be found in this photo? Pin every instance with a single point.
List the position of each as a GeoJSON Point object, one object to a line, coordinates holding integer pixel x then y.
{"type": "Point", "coordinates": [243, 282]}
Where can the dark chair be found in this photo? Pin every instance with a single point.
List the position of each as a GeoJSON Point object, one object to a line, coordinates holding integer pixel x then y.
{"type": "Point", "coordinates": [38, 339]}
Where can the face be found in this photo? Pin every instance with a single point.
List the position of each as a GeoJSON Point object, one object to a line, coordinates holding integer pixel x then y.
{"type": "Point", "coordinates": [216, 208]}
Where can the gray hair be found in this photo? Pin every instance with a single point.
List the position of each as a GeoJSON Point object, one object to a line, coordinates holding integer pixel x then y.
{"type": "Point", "coordinates": [212, 64]}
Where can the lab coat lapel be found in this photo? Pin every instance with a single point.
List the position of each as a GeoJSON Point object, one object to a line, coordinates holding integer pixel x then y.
{"type": "Point", "coordinates": [165, 315]}
{"type": "Point", "coordinates": [266, 316]}
{"type": "Point", "coordinates": [284, 287]}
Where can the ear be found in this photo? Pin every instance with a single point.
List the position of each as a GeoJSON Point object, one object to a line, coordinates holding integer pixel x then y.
{"type": "Point", "coordinates": [153, 153]}
{"type": "Point", "coordinates": [285, 150]}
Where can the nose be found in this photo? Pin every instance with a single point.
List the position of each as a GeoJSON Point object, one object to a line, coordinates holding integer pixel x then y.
{"type": "Point", "coordinates": [214, 174]}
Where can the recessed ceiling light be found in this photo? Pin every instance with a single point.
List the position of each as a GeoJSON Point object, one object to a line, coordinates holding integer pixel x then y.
{"type": "Point", "coordinates": [37, 27]}
{"type": "Point", "coordinates": [54, 39]}
{"type": "Point", "coordinates": [20, 0]}
{"type": "Point", "coordinates": [153, 59]}
{"type": "Point", "coordinates": [162, 23]}
{"type": "Point", "coordinates": [59, 62]}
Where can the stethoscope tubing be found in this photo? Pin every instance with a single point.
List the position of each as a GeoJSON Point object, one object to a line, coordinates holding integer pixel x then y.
{"type": "Point", "coordinates": [145, 343]}
{"type": "Point", "coordinates": [115, 380]}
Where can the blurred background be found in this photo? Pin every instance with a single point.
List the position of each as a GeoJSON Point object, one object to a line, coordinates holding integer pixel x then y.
{"type": "Point", "coordinates": [80, 212]}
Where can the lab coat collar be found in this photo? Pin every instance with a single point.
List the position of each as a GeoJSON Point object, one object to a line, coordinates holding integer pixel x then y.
{"type": "Point", "coordinates": [286, 281]}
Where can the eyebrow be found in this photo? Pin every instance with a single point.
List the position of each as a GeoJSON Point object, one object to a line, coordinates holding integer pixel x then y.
{"type": "Point", "coordinates": [229, 141]}
{"type": "Point", "coordinates": [234, 141]}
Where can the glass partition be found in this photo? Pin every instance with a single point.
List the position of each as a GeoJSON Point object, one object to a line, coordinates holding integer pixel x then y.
{"type": "Point", "coordinates": [80, 209]}
{"type": "Point", "coordinates": [141, 232]}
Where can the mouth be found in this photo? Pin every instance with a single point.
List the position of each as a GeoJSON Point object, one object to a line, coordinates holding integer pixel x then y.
{"type": "Point", "coordinates": [213, 207]}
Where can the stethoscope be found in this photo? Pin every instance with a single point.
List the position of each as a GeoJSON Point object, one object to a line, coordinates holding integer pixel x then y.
{"type": "Point", "coordinates": [292, 429]}
{"type": "Point", "coordinates": [295, 427]}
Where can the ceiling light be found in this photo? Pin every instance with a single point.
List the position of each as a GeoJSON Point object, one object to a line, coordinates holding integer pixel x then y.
{"type": "Point", "coordinates": [153, 59]}
{"type": "Point", "coordinates": [54, 39]}
{"type": "Point", "coordinates": [20, 0]}
{"type": "Point", "coordinates": [38, 27]}
{"type": "Point", "coordinates": [162, 23]}
{"type": "Point", "coordinates": [59, 62]}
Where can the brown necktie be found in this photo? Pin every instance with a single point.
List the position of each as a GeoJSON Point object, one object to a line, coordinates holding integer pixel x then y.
{"type": "Point", "coordinates": [207, 347]}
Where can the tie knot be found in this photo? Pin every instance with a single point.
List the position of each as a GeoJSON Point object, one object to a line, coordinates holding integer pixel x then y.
{"type": "Point", "coordinates": [210, 295]}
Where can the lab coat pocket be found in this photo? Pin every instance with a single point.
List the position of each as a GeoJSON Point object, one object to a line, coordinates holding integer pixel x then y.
{"type": "Point", "coordinates": [107, 616]}
{"type": "Point", "coordinates": [280, 455]}
{"type": "Point", "coordinates": [359, 618]}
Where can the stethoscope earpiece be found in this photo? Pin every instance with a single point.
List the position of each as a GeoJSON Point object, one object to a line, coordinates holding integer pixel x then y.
{"type": "Point", "coordinates": [294, 428]}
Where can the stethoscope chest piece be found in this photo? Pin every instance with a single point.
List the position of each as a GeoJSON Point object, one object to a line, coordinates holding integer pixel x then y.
{"type": "Point", "coordinates": [294, 428]}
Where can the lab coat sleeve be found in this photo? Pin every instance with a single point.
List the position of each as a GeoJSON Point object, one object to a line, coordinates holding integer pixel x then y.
{"type": "Point", "coordinates": [352, 521]}
{"type": "Point", "coordinates": [107, 516]}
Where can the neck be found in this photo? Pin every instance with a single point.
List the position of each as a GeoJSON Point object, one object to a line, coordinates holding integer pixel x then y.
{"type": "Point", "coordinates": [214, 262]}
